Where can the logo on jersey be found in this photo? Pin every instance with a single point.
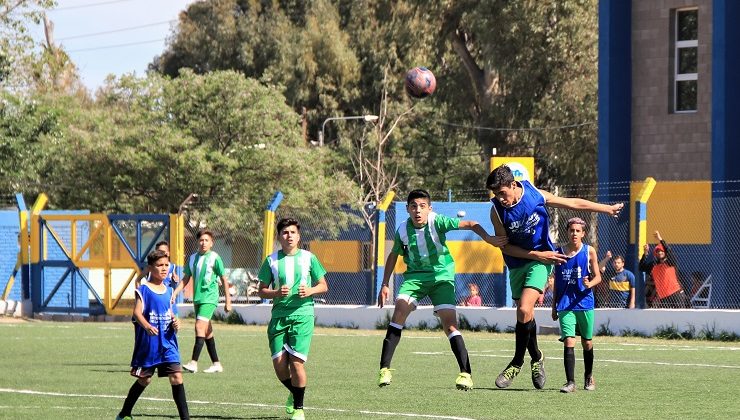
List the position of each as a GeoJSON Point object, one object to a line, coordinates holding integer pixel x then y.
{"type": "Point", "coordinates": [572, 274]}
{"type": "Point", "coordinates": [527, 227]}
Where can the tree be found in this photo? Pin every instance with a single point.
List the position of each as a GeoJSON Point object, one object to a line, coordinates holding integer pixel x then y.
{"type": "Point", "coordinates": [15, 41]}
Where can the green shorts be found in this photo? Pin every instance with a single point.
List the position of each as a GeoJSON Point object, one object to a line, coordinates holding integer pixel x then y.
{"type": "Point", "coordinates": [573, 323]}
{"type": "Point", "coordinates": [442, 292]}
{"type": "Point", "coordinates": [292, 334]}
{"type": "Point", "coordinates": [533, 275]}
{"type": "Point", "coordinates": [204, 311]}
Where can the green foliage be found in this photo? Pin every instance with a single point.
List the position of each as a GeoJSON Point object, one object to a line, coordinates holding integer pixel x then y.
{"type": "Point", "coordinates": [668, 332]}
{"type": "Point", "coordinates": [463, 323]}
{"type": "Point", "coordinates": [604, 330]}
{"type": "Point", "coordinates": [630, 332]}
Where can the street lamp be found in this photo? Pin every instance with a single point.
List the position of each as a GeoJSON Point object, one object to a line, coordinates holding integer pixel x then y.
{"type": "Point", "coordinates": [367, 118]}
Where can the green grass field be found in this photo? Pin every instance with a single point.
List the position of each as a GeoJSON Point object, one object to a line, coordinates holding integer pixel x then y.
{"type": "Point", "coordinates": [80, 371]}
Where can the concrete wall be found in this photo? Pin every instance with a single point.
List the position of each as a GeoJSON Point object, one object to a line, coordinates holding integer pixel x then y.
{"type": "Point", "coordinates": [667, 145]}
{"type": "Point", "coordinates": [367, 317]}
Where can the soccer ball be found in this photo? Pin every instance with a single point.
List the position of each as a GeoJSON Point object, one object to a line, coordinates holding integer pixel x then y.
{"type": "Point", "coordinates": [420, 82]}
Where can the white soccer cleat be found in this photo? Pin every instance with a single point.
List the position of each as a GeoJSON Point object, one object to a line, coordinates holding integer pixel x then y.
{"type": "Point", "coordinates": [192, 366]}
{"type": "Point", "coordinates": [216, 368]}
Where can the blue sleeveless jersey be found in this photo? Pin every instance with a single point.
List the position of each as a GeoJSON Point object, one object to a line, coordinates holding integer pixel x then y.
{"type": "Point", "coordinates": [526, 223]}
{"type": "Point", "coordinates": [572, 295]}
{"type": "Point", "coordinates": [169, 283]}
{"type": "Point", "coordinates": [151, 350]}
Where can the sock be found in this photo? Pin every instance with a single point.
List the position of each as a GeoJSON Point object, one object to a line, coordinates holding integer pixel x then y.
{"type": "Point", "coordinates": [287, 384]}
{"type": "Point", "coordinates": [569, 360]}
{"type": "Point", "coordinates": [521, 331]}
{"type": "Point", "coordinates": [211, 347]}
{"type": "Point", "coordinates": [392, 337]}
{"type": "Point", "coordinates": [197, 347]}
{"type": "Point", "coordinates": [534, 351]}
{"type": "Point", "coordinates": [588, 362]}
{"type": "Point", "coordinates": [298, 394]}
{"type": "Point", "coordinates": [133, 394]}
{"type": "Point", "coordinates": [461, 353]}
{"type": "Point", "coordinates": [178, 394]}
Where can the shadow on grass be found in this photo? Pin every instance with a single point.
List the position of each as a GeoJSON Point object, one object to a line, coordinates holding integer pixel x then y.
{"type": "Point", "coordinates": [159, 416]}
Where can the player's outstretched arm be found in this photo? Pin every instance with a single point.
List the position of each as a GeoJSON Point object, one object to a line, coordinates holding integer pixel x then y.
{"type": "Point", "coordinates": [581, 204]}
{"type": "Point", "coordinates": [497, 241]}
{"type": "Point", "coordinates": [390, 267]}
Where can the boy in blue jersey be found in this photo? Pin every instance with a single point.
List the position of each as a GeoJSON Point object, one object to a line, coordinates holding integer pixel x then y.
{"type": "Point", "coordinates": [574, 303]}
{"type": "Point", "coordinates": [155, 345]}
{"type": "Point", "coordinates": [430, 272]}
{"type": "Point", "coordinates": [290, 277]}
{"type": "Point", "coordinates": [519, 212]}
{"type": "Point", "coordinates": [172, 278]}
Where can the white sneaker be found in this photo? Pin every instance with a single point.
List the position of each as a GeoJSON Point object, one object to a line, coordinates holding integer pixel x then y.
{"type": "Point", "coordinates": [216, 368]}
{"type": "Point", "coordinates": [191, 367]}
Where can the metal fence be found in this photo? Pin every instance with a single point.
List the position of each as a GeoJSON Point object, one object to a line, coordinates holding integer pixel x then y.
{"type": "Point", "coordinates": [696, 227]}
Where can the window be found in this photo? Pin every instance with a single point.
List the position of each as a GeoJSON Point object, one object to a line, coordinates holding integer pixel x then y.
{"type": "Point", "coordinates": [686, 59]}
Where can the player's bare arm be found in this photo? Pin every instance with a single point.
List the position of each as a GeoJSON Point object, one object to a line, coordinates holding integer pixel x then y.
{"type": "Point", "coordinates": [596, 274]}
{"type": "Point", "coordinates": [320, 287]}
{"type": "Point", "coordinates": [265, 292]}
{"type": "Point", "coordinates": [545, 257]}
{"type": "Point", "coordinates": [181, 285]}
{"type": "Point", "coordinates": [144, 273]}
{"type": "Point", "coordinates": [139, 316]}
{"type": "Point", "coordinates": [497, 241]}
{"type": "Point", "coordinates": [390, 266]}
{"type": "Point", "coordinates": [227, 295]}
{"type": "Point", "coordinates": [553, 200]}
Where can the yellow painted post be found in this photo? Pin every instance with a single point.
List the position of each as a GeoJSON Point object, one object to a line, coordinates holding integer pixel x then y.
{"type": "Point", "coordinates": [177, 239]}
{"type": "Point", "coordinates": [641, 235]}
{"type": "Point", "coordinates": [380, 242]}
{"type": "Point", "coordinates": [269, 226]}
{"type": "Point", "coordinates": [39, 205]}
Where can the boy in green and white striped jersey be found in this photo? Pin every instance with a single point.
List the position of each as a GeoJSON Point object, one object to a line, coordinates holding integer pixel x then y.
{"type": "Point", "coordinates": [431, 272]}
{"type": "Point", "coordinates": [295, 275]}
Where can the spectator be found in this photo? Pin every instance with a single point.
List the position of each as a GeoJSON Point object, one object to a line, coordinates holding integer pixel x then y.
{"type": "Point", "coordinates": [621, 285]}
{"type": "Point", "coordinates": [473, 298]}
{"type": "Point", "coordinates": [663, 290]}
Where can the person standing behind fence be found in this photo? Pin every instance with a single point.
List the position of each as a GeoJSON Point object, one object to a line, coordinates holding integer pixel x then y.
{"type": "Point", "coordinates": [621, 285]}
{"type": "Point", "coordinates": [295, 275]}
{"type": "Point", "coordinates": [573, 305]}
{"type": "Point", "coordinates": [473, 298]}
{"type": "Point", "coordinates": [663, 288]}
{"type": "Point", "coordinates": [519, 212]}
{"type": "Point", "coordinates": [206, 267]}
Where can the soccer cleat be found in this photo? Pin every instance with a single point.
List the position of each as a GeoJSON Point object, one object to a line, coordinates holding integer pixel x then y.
{"type": "Point", "coordinates": [192, 366]}
{"type": "Point", "coordinates": [289, 404]}
{"type": "Point", "coordinates": [215, 368]}
{"type": "Point", "coordinates": [464, 381]}
{"type": "Point", "coordinates": [298, 415]}
{"type": "Point", "coordinates": [589, 384]}
{"type": "Point", "coordinates": [124, 418]}
{"type": "Point", "coordinates": [568, 388]}
{"type": "Point", "coordinates": [538, 372]}
{"type": "Point", "coordinates": [385, 377]}
{"type": "Point", "coordinates": [506, 377]}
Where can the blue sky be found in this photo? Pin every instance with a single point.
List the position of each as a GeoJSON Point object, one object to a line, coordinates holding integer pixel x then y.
{"type": "Point", "coordinates": [79, 27]}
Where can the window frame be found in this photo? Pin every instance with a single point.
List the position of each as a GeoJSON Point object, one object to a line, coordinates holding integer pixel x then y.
{"type": "Point", "coordinates": [677, 46]}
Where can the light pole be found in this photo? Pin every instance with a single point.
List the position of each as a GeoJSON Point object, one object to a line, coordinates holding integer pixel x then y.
{"type": "Point", "coordinates": [367, 118]}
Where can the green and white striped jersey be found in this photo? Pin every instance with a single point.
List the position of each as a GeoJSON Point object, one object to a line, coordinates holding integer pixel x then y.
{"type": "Point", "coordinates": [205, 271]}
{"type": "Point", "coordinates": [424, 250]}
{"type": "Point", "coordinates": [302, 268]}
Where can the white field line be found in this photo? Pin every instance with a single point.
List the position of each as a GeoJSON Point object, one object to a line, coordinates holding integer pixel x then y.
{"type": "Point", "coordinates": [234, 404]}
{"type": "Point", "coordinates": [635, 362]}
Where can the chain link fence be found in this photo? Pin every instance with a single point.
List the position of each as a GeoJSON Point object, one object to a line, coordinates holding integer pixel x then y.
{"type": "Point", "coordinates": [343, 240]}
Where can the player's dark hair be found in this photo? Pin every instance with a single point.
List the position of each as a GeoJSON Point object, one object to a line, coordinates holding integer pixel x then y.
{"type": "Point", "coordinates": [499, 177]}
{"type": "Point", "coordinates": [618, 257]}
{"type": "Point", "coordinates": [162, 243]}
{"type": "Point", "coordinates": [155, 256]}
{"type": "Point", "coordinates": [204, 232]}
{"type": "Point", "coordinates": [413, 195]}
{"type": "Point", "coordinates": [287, 221]}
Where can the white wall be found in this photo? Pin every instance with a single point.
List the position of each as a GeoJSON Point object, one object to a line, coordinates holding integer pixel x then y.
{"type": "Point", "coordinates": [643, 320]}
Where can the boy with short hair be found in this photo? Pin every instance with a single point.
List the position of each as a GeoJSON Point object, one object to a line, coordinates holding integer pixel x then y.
{"type": "Point", "coordinates": [430, 272]}
{"type": "Point", "coordinates": [172, 278]}
{"type": "Point", "coordinates": [519, 212]}
{"type": "Point", "coordinates": [622, 285]}
{"type": "Point", "coordinates": [295, 276]}
{"type": "Point", "coordinates": [206, 267]}
{"type": "Point", "coordinates": [155, 346]}
{"type": "Point", "coordinates": [573, 305]}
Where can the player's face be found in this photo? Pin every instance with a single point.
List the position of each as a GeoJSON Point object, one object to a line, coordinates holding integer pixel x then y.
{"type": "Point", "coordinates": [205, 243]}
{"type": "Point", "coordinates": [618, 264]}
{"type": "Point", "coordinates": [289, 238]}
{"type": "Point", "coordinates": [506, 195]}
{"type": "Point", "coordinates": [419, 210]}
{"type": "Point", "coordinates": [160, 268]}
{"type": "Point", "coordinates": [575, 233]}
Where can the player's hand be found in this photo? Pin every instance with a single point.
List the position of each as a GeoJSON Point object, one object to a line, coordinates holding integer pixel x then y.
{"type": "Point", "coordinates": [284, 291]}
{"type": "Point", "coordinates": [304, 291]}
{"type": "Point", "coordinates": [176, 324]}
{"type": "Point", "coordinates": [657, 236]}
{"type": "Point", "coordinates": [554, 314]}
{"type": "Point", "coordinates": [550, 257]}
{"type": "Point", "coordinates": [608, 255]}
{"type": "Point", "coordinates": [152, 330]}
{"type": "Point", "coordinates": [227, 307]}
{"type": "Point", "coordinates": [646, 248]}
{"type": "Point", "coordinates": [541, 299]}
{"type": "Point", "coordinates": [383, 295]}
{"type": "Point", "coordinates": [587, 282]}
{"type": "Point", "coordinates": [497, 241]}
{"type": "Point", "coordinates": [614, 209]}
